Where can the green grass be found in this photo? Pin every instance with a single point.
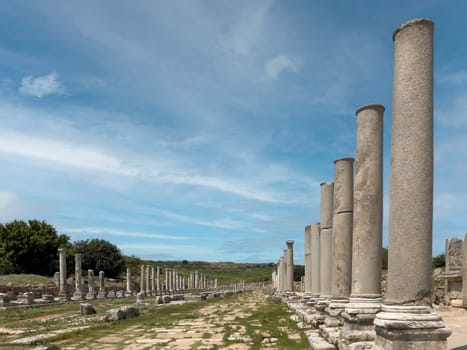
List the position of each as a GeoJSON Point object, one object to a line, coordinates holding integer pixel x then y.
{"type": "Point", "coordinates": [24, 279]}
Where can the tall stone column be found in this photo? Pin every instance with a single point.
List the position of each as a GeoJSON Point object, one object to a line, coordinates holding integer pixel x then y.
{"type": "Point", "coordinates": [281, 274]}
{"type": "Point", "coordinates": [158, 278]}
{"type": "Point", "coordinates": [141, 282]}
{"type": "Point", "coordinates": [290, 286]}
{"type": "Point", "coordinates": [166, 270]}
{"type": "Point", "coordinates": [315, 260]}
{"type": "Point", "coordinates": [196, 280]}
{"type": "Point", "coordinates": [62, 291]}
{"type": "Point", "coordinates": [101, 294]}
{"type": "Point", "coordinates": [284, 270]}
{"type": "Point", "coordinates": [327, 193]}
{"type": "Point", "coordinates": [147, 280]}
{"type": "Point", "coordinates": [78, 294]}
{"type": "Point", "coordinates": [128, 281]}
{"type": "Point", "coordinates": [464, 273]}
{"type": "Point", "coordinates": [365, 299]}
{"type": "Point", "coordinates": [407, 320]}
{"type": "Point", "coordinates": [153, 280]}
{"type": "Point", "coordinates": [341, 239]}
{"type": "Point", "coordinates": [307, 279]}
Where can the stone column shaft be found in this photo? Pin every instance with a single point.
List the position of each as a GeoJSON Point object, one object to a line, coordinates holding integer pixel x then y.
{"type": "Point", "coordinates": [315, 260]}
{"type": "Point", "coordinates": [308, 262]}
{"type": "Point", "coordinates": [141, 282]}
{"type": "Point", "coordinates": [78, 280]}
{"type": "Point", "coordinates": [290, 269]}
{"type": "Point", "coordinates": [62, 267]}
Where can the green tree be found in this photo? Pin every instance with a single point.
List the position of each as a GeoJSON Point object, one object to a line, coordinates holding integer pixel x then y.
{"type": "Point", "coordinates": [30, 247]}
{"type": "Point", "coordinates": [439, 261]}
{"type": "Point", "coordinates": [100, 255]}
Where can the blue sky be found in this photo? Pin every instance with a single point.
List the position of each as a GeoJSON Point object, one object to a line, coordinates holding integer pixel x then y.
{"type": "Point", "coordinates": [201, 130]}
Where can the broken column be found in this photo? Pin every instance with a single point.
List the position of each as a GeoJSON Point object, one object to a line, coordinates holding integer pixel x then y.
{"type": "Point", "coordinates": [62, 292]}
{"type": "Point", "coordinates": [78, 294]}
{"type": "Point", "coordinates": [407, 319]}
{"type": "Point", "coordinates": [453, 272]}
{"type": "Point", "coordinates": [341, 239]}
{"type": "Point", "coordinates": [128, 281]}
{"type": "Point", "coordinates": [101, 294]}
{"type": "Point", "coordinates": [307, 279]}
{"type": "Point", "coordinates": [91, 289]}
{"type": "Point", "coordinates": [290, 286]}
{"type": "Point", "coordinates": [365, 299]}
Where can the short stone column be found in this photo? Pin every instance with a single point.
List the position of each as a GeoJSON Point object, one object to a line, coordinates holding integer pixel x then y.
{"type": "Point", "coordinates": [341, 240]}
{"type": "Point", "coordinates": [464, 274]}
{"type": "Point", "coordinates": [453, 272]}
{"type": "Point", "coordinates": [280, 272]}
{"type": "Point", "coordinates": [128, 281]}
{"type": "Point", "coordinates": [308, 263]}
{"type": "Point", "coordinates": [407, 319]}
{"type": "Point", "coordinates": [141, 281]}
{"type": "Point", "coordinates": [62, 291]}
{"type": "Point", "coordinates": [101, 294]}
{"type": "Point", "coordinates": [365, 299]}
{"type": "Point", "coordinates": [78, 294]}
{"type": "Point", "coordinates": [91, 288]}
{"type": "Point", "coordinates": [315, 260]}
{"type": "Point", "coordinates": [290, 286]}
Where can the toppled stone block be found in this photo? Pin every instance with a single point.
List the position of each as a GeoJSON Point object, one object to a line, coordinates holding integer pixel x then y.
{"type": "Point", "coordinates": [86, 309]}
{"type": "Point", "coordinates": [140, 298]}
{"type": "Point", "coordinates": [158, 300]}
{"type": "Point", "coordinates": [122, 313]}
{"type": "Point", "coordinates": [4, 299]}
{"type": "Point", "coordinates": [166, 299]}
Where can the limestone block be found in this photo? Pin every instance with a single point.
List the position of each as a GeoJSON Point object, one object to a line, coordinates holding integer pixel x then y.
{"type": "Point", "coordinates": [86, 309]}
{"type": "Point", "coordinates": [122, 313]}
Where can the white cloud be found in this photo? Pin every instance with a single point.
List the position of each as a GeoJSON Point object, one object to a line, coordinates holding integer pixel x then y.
{"type": "Point", "coordinates": [60, 152]}
{"type": "Point", "coordinates": [282, 63]}
{"type": "Point", "coordinates": [13, 207]}
{"type": "Point", "coordinates": [41, 86]}
{"type": "Point", "coordinates": [122, 233]}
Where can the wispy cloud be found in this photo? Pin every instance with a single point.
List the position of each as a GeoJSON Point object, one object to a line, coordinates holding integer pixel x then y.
{"type": "Point", "coordinates": [13, 207]}
{"type": "Point", "coordinates": [104, 231]}
{"type": "Point", "coordinates": [279, 64]}
{"type": "Point", "coordinates": [223, 223]}
{"type": "Point", "coordinates": [41, 86]}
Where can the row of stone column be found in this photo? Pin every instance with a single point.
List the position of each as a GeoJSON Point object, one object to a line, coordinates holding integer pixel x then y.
{"type": "Point", "coordinates": [343, 250]}
{"type": "Point", "coordinates": [283, 275]}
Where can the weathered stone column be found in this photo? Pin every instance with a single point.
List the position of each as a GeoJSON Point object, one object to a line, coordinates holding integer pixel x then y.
{"type": "Point", "coordinates": [464, 274]}
{"type": "Point", "coordinates": [341, 239]}
{"type": "Point", "coordinates": [327, 193]}
{"type": "Point", "coordinates": [365, 299]}
{"type": "Point", "coordinates": [280, 287]}
{"type": "Point", "coordinates": [153, 280]}
{"type": "Point", "coordinates": [290, 286]}
{"type": "Point", "coordinates": [284, 270]}
{"type": "Point", "coordinates": [166, 270]}
{"type": "Point", "coordinates": [196, 280]}
{"type": "Point", "coordinates": [315, 260]}
{"type": "Point", "coordinates": [78, 294]}
{"type": "Point", "coordinates": [128, 281]}
{"type": "Point", "coordinates": [91, 289]}
{"type": "Point", "coordinates": [62, 291]}
{"type": "Point", "coordinates": [407, 320]}
{"type": "Point", "coordinates": [307, 278]}
{"type": "Point", "coordinates": [101, 294]}
{"type": "Point", "coordinates": [141, 282]}
{"type": "Point", "coordinates": [147, 282]}
{"type": "Point", "coordinates": [158, 279]}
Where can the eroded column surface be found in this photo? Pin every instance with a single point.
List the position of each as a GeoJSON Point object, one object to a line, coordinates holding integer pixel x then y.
{"type": "Point", "coordinates": [62, 269]}
{"type": "Point", "coordinates": [315, 260]}
{"type": "Point", "coordinates": [407, 320]}
{"type": "Point", "coordinates": [308, 262]}
{"type": "Point", "coordinates": [290, 286]}
{"type": "Point", "coordinates": [101, 293]}
{"type": "Point", "coordinates": [365, 299]}
{"type": "Point", "coordinates": [91, 289]}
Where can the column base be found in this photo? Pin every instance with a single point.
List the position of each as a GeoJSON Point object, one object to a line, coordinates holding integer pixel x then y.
{"type": "Point", "coordinates": [78, 296]}
{"type": "Point", "coordinates": [358, 318]}
{"type": "Point", "coordinates": [410, 327]}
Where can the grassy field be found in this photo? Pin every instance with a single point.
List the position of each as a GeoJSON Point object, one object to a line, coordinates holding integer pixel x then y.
{"type": "Point", "coordinates": [24, 279]}
{"type": "Point", "coordinates": [245, 320]}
